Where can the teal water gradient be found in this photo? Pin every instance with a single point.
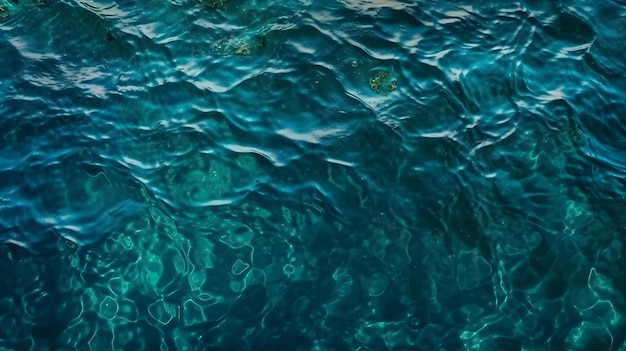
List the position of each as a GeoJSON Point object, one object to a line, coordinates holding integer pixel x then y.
{"type": "Point", "coordinates": [312, 175]}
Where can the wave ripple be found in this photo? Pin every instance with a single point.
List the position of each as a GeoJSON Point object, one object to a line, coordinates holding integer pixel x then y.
{"type": "Point", "coordinates": [350, 175]}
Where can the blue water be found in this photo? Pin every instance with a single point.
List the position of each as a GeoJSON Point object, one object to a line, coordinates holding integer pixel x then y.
{"type": "Point", "coordinates": [312, 175]}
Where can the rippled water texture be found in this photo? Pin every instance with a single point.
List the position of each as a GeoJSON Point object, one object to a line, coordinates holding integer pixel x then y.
{"type": "Point", "coordinates": [312, 175]}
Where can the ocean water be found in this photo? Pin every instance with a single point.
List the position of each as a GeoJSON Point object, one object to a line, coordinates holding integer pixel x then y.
{"type": "Point", "coordinates": [312, 175]}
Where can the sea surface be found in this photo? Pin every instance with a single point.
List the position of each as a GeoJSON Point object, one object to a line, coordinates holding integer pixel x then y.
{"type": "Point", "coordinates": [321, 175]}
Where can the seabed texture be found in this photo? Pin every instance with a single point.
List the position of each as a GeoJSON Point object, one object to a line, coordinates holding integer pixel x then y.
{"type": "Point", "coordinates": [312, 175]}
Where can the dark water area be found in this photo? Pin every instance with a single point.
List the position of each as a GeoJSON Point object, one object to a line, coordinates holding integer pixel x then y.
{"type": "Point", "coordinates": [312, 175]}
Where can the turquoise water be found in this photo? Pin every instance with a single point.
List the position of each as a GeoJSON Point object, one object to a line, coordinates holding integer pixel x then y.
{"type": "Point", "coordinates": [312, 175]}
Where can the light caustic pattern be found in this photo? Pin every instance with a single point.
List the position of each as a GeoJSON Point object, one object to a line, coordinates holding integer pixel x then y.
{"type": "Point", "coordinates": [302, 175]}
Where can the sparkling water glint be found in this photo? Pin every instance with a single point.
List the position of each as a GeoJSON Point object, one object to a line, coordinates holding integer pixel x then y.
{"type": "Point", "coordinates": [312, 175]}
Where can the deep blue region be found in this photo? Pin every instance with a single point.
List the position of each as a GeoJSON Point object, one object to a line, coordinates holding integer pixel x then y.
{"type": "Point", "coordinates": [312, 175]}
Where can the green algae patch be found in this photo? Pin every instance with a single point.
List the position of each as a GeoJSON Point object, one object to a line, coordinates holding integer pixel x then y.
{"type": "Point", "coordinates": [244, 49]}
{"type": "Point", "coordinates": [5, 9]}
{"type": "Point", "coordinates": [242, 46]}
{"type": "Point", "coordinates": [380, 83]}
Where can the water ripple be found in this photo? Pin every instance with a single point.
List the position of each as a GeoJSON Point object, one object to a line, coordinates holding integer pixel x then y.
{"type": "Point", "coordinates": [349, 175]}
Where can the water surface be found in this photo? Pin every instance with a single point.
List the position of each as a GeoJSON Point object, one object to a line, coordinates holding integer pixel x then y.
{"type": "Point", "coordinates": [312, 175]}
